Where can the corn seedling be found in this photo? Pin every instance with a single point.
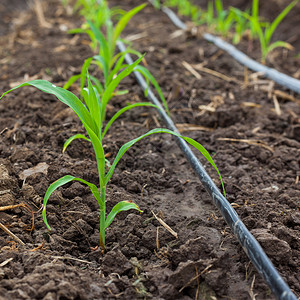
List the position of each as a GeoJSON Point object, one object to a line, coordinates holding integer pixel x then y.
{"type": "Point", "coordinates": [97, 11]}
{"type": "Point", "coordinates": [218, 19]}
{"type": "Point", "coordinates": [90, 115]}
{"type": "Point", "coordinates": [257, 19]}
{"type": "Point", "coordinates": [107, 61]}
{"type": "Point", "coordinates": [241, 20]}
{"type": "Point", "coordinates": [208, 17]}
{"type": "Point", "coordinates": [156, 4]}
{"type": "Point", "coordinates": [224, 19]}
{"type": "Point", "coordinates": [105, 95]}
{"type": "Point", "coordinates": [186, 8]}
{"type": "Point", "coordinates": [265, 31]}
{"type": "Point", "coordinates": [241, 25]}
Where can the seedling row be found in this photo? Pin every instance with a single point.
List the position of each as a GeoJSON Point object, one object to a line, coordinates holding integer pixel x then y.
{"type": "Point", "coordinates": [94, 98]}
{"type": "Point", "coordinates": [96, 94]}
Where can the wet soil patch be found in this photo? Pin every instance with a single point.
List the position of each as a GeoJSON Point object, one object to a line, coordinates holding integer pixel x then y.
{"type": "Point", "coordinates": [255, 146]}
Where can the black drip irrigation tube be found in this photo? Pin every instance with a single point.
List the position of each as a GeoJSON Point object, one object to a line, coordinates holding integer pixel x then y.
{"type": "Point", "coordinates": [250, 245]}
{"type": "Point", "coordinates": [280, 78]}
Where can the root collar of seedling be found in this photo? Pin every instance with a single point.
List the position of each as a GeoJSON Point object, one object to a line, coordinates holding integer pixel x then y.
{"type": "Point", "coordinates": [250, 245]}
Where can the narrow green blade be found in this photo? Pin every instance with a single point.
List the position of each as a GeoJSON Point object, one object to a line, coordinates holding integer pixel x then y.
{"type": "Point", "coordinates": [94, 106]}
{"type": "Point", "coordinates": [124, 21]}
{"type": "Point", "coordinates": [84, 72]}
{"type": "Point", "coordinates": [192, 142]}
{"type": "Point", "coordinates": [280, 44]}
{"type": "Point", "coordinates": [146, 73]}
{"type": "Point", "coordinates": [102, 64]}
{"type": "Point", "coordinates": [277, 21]}
{"type": "Point", "coordinates": [62, 181]}
{"type": "Point", "coordinates": [71, 81]}
{"type": "Point", "coordinates": [72, 138]}
{"type": "Point", "coordinates": [103, 45]}
{"type": "Point", "coordinates": [64, 96]}
{"type": "Point", "coordinates": [121, 206]}
{"type": "Point", "coordinates": [77, 106]}
{"type": "Point", "coordinates": [115, 82]}
{"type": "Point", "coordinates": [124, 109]}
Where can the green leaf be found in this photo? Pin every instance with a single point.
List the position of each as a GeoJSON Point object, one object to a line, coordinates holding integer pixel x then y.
{"type": "Point", "coordinates": [102, 64]}
{"type": "Point", "coordinates": [97, 85]}
{"type": "Point", "coordinates": [192, 142]}
{"type": "Point", "coordinates": [94, 106]}
{"type": "Point", "coordinates": [270, 30]}
{"type": "Point", "coordinates": [117, 12]}
{"type": "Point", "coordinates": [146, 73]}
{"type": "Point", "coordinates": [118, 66]}
{"type": "Point", "coordinates": [106, 55]}
{"type": "Point", "coordinates": [100, 158]}
{"type": "Point", "coordinates": [121, 206]}
{"type": "Point", "coordinates": [84, 72]}
{"type": "Point", "coordinates": [124, 109]}
{"type": "Point", "coordinates": [115, 82]}
{"type": "Point", "coordinates": [280, 44]}
{"type": "Point", "coordinates": [76, 30]}
{"type": "Point", "coordinates": [210, 13]}
{"type": "Point", "coordinates": [62, 181]}
{"type": "Point", "coordinates": [124, 20]}
{"type": "Point", "coordinates": [118, 59]}
{"type": "Point", "coordinates": [257, 29]}
{"type": "Point", "coordinates": [255, 9]}
{"type": "Point", "coordinates": [109, 37]}
{"type": "Point", "coordinates": [219, 6]}
{"type": "Point", "coordinates": [71, 81]}
{"type": "Point", "coordinates": [121, 93]}
{"type": "Point", "coordinates": [77, 106]}
{"type": "Point", "coordinates": [64, 96]}
{"type": "Point", "coordinates": [72, 138]}
{"type": "Point", "coordinates": [157, 4]}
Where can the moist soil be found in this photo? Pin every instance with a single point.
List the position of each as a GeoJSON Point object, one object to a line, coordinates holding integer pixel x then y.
{"type": "Point", "coordinates": [249, 125]}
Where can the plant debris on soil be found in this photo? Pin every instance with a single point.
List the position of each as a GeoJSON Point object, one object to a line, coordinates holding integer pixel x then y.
{"type": "Point", "coordinates": [249, 125]}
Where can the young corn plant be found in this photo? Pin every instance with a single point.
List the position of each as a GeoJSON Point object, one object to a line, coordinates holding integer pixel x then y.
{"type": "Point", "coordinates": [218, 19]}
{"type": "Point", "coordinates": [104, 96]}
{"type": "Point", "coordinates": [108, 62]}
{"type": "Point", "coordinates": [265, 31]}
{"type": "Point", "coordinates": [185, 8]}
{"type": "Point", "coordinates": [106, 37]}
{"type": "Point", "coordinates": [241, 25]}
{"type": "Point", "coordinates": [208, 17]}
{"type": "Point", "coordinates": [224, 19]}
{"type": "Point", "coordinates": [96, 10]}
{"type": "Point", "coordinates": [90, 113]}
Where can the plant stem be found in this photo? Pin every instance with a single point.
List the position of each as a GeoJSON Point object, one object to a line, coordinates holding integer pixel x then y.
{"type": "Point", "coordinates": [102, 217]}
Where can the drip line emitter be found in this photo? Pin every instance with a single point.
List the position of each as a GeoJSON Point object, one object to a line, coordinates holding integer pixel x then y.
{"type": "Point", "coordinates": [250, 245]}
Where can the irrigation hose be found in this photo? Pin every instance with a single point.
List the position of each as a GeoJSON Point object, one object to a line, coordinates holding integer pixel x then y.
{"type": "Point", "coordinates": [252, 248]}
{"type": "Point", "coordinates": [280, 78]}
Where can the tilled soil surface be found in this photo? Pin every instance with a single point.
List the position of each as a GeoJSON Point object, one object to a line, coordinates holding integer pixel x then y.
{"type": "Point", "coordinates": [252, 129]}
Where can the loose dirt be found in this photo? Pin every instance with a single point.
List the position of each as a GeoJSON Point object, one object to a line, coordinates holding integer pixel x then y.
{"type": "Point", "coordinates": [252, 129]}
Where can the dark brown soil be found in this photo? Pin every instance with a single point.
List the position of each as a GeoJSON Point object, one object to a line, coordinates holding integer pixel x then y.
{"type": "Point", "coordinates": [143, 260]}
